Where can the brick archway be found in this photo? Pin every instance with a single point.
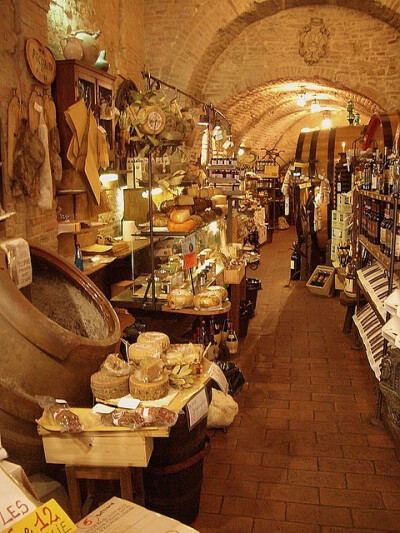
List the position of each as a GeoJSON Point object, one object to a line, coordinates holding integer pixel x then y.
{"type": "Point", "coordinates": [263, 9]}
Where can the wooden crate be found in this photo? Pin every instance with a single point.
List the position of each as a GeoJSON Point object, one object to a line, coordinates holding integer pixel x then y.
{"type": "Point", "coordinates": [233, 276]}
{"type": "Point", "coordinates": [97, 448]}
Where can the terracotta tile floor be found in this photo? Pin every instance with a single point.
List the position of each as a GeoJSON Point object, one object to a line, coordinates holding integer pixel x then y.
{"type": "Point", "coordinates": [301, 456]}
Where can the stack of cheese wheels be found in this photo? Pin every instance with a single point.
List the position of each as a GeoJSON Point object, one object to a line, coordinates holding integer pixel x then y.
{"type": "Point", "coordinates": [161, 339]}
{"type": "Point", "coordinates": [180, 221]}
{"type": "Point", "coordinates": [149, 382]}
{"type": "Point", "coordinates": [180, 299]}
{"type": "Point", "coordinates": [107, 387]}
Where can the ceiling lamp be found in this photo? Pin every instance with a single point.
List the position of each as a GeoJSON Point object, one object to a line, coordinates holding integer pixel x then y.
{"type": "Point", "coordinates": [350, 111]}
{"type": "Point", "coordinates": [326, 123]}
{"type": "Point", "coordinates": [301, 100]}
{"type": "Point", "coordinates": [241, 150]}
{"type": "Point", "coordinates": [315, 106]}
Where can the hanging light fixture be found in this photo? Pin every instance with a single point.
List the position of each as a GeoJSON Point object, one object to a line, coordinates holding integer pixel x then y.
{"type": "Point", "coordinates": [315, 105]}
{"type": "Point", "coordinates": [301, 99]}
{"type": "Point", "coordinates": [326, 122]}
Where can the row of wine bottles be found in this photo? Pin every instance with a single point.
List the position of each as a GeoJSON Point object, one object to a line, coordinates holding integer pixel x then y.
{"type": "Point", "coordinates": [219, 338]}
{"type": "Point", "coordinates": [378, 226]}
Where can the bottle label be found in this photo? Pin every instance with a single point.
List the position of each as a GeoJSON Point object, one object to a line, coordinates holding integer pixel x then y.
{"type": "Point", "coordinates": [292, 265]}
{"type": "Point", "coordinates": [339, 186]}
{"type": "Point", "coordinates": [397, 248]}
{"type": "Point", "coordinates": [383, 236]}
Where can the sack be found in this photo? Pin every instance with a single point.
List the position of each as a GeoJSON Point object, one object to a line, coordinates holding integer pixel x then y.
{"type": "Point", "coordinates": [222, 410]}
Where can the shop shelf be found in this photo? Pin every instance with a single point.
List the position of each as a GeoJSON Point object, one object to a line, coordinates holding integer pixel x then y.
{"type": "Point", "coordinates": [392, 303]}
{"type": "Point", "coordinates": [374, 250]}
{"type": "Point", "coordinates": [377, 196]}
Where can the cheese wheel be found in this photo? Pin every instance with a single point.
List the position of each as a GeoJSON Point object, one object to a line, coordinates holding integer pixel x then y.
{"type": "Point", "coordinates": [138, 352]}
{"type": "Point", "coordinates": [180, 299]}
{"type": "Point", "coordinates": [149, 391]}
{"type": "Point", "coordinates": [184, 227]}
{"type": "Point", "coordinates": [207, 300]}
{"type": "Point", "coordinates": [220, 291]}
{"type": "Point", "coordinates": [180, 215]}
{"type": "Point", "coordinates": [161, 339]}
{"type": "Point", "coordinates": [107, 387]}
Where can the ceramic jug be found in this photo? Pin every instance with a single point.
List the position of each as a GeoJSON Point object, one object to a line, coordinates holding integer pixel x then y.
{"type": "Point", "coordinates": [72, 48]}
{"type": "Point", "coordinates": [90, 45]}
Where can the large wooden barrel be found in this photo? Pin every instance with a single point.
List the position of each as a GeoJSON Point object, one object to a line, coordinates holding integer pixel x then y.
{"type": "Point", "coordinates": [172, 480]}
{"type": "Point", "coordinates": [41, 357]}
{"type": "Point", "coordinates": [381, 131]}
{"type": "Point", "coordinates": [321, 148]}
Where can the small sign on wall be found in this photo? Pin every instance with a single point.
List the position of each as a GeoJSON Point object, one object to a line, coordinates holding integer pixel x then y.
{"type": "Point", "coordinates": [41, 61]}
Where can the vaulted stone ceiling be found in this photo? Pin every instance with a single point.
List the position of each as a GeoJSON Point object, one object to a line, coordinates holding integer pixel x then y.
{"type": "Point", "coordinates": [243, 56]}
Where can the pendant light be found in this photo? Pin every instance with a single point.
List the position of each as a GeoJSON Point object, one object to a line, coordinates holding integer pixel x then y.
{"type": "Point", "coordinates": [315, 105]}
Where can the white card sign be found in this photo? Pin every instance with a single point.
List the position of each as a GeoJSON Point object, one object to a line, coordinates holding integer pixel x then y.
{"type": "Point", "coordinates": [218, 376]}
{"type": "Point", "coordinates": [197, 408]}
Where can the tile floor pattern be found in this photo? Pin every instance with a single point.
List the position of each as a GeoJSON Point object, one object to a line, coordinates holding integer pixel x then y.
{"type": "Point", "coordinates": [301, 456]}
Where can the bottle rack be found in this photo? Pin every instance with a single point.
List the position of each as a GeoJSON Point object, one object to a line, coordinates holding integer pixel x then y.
{"type": "Point", "coordinates": [388, 265]}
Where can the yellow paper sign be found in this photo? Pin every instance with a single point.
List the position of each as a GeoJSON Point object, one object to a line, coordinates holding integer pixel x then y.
{"type": "Point", "coordinates": [48, 518]}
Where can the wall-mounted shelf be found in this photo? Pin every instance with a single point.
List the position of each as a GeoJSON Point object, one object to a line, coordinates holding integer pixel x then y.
{"type": "Point", "coordinates": [374, 250]}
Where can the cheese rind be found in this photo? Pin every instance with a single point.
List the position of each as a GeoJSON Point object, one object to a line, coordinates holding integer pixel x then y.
{"type": "Point", "coordinates": [149, 391]}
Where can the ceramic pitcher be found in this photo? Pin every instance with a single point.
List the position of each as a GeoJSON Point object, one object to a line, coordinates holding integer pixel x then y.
{"type": "Point", "coordinates": [90, 45]}
{"type": "Point", "coordinates": [72, 48]}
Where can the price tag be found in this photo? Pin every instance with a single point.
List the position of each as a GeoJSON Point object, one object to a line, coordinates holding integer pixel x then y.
{"type": "Point", "coordinates": [189, 252]}
{"type": "Point", "coordinates": [219, 377]}
{"type": "Point", "coordinates": [197, 408]}
{"type": "Point", "coordinates": [49, 518]}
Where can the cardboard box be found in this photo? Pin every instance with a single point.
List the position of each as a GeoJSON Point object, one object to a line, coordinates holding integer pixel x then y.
{"type": "Point", "coordinates": [233, 276]}
{"type": "Point", "coordinates": [328, 285]}
{"type": "Point", "coordinates": [121, 516]}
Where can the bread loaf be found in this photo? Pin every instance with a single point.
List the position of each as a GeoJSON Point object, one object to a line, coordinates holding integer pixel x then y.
{"type": "Point", "coordinates": [160, 220]}
{"type": "Point", "coordinates": [184, 200]}
{"type": "Point", "coordinates": [180, 215]}
{"type": "Point", "coordinates": [149, 391]}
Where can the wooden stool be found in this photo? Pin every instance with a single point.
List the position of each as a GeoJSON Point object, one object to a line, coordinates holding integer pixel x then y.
{"type": "Point", "coordinates": [75, 473]}
{"type": "Point", "coordinates": [350, 303]}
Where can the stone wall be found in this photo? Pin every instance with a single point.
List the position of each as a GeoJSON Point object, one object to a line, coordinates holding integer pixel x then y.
{"type": "Point", "coordinates": [121, 23]}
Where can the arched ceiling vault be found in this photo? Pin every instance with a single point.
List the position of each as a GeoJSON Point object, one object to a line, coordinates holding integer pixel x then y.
{"type": "Point", "coordinates": [243, 56]}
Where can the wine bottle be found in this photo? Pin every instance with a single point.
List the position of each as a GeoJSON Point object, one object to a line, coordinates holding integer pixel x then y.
{"type": "Point", "coordinates": [78, 257]}
{"type": "Point", "coordinates": [232, 340]}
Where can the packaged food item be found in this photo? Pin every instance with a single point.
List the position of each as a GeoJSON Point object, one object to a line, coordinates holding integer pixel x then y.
{"type": "Point", "coordinates": [59, 412]}
{"type": "Point", "coordinates": [143, 350]}
{"type": "Point", "coordinates": [161, 339]}
{"type": "Point", "coordinates": [149, 370]}
{"type": "Point", "coordinates": [140, 417]}
{"type": "Point", "coordinates": [108, 387]}
{"type": "Point", "coordinates": [153, 390]}
{"type": "Point", "coordinates": [180, 299]}
{"type": "Point", "coordinates": [183, 353]}
{"type": "Point", "coordinates": [160, 220]}
{"type": "Point", "coordinates": [115, 366]}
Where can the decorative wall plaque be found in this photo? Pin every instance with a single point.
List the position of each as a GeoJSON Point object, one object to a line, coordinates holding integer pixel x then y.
{"type": "Point", "coordinates": [313, 41]}
{"type": "Point", "coordinates": [41, 61]}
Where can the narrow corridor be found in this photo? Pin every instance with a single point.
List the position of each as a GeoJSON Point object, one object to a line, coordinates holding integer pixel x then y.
{"type": "Point", "coordinates": [301, 456]}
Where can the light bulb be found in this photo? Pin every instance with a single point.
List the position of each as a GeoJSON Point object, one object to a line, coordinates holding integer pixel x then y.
{"type": "Point", "coordinates": [240, 151]}
{"type": "Point", "coordinates": [326, 123]}
{"type": "Point", "coordinates": [315, 107]}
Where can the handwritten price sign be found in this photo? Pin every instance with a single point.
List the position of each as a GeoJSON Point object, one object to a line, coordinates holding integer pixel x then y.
{"type": "Point", "coordinates": [49, 518]}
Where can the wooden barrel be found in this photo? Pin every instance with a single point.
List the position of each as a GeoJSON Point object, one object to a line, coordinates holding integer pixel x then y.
{"type": "Point", "coordinates": [41, 357]}
{"type": "Point", "coordinates": [382, 129]}
{"type": "Point", "coordinates": [172, 480]}
{"type": "Point", "coordinates": [321, 148]}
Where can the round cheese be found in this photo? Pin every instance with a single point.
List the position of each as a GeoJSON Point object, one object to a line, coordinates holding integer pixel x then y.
{"type": "Point", "coordinates": [221, 292]}
{"type": "Point", "coordinates": [107, 387]}
{"type": "Point", "coordinates": [180, 215]}
{"type": "Point", "coordinates": [161, 339]}
{"type": "Point", "coordinates": [207, 300]}
{"type": "Point", "coordinates": [143, 350]}
{"type": "Point", "coordinates": [180, 298]}
{"type": "Point", "coordinates": [149, 391]}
